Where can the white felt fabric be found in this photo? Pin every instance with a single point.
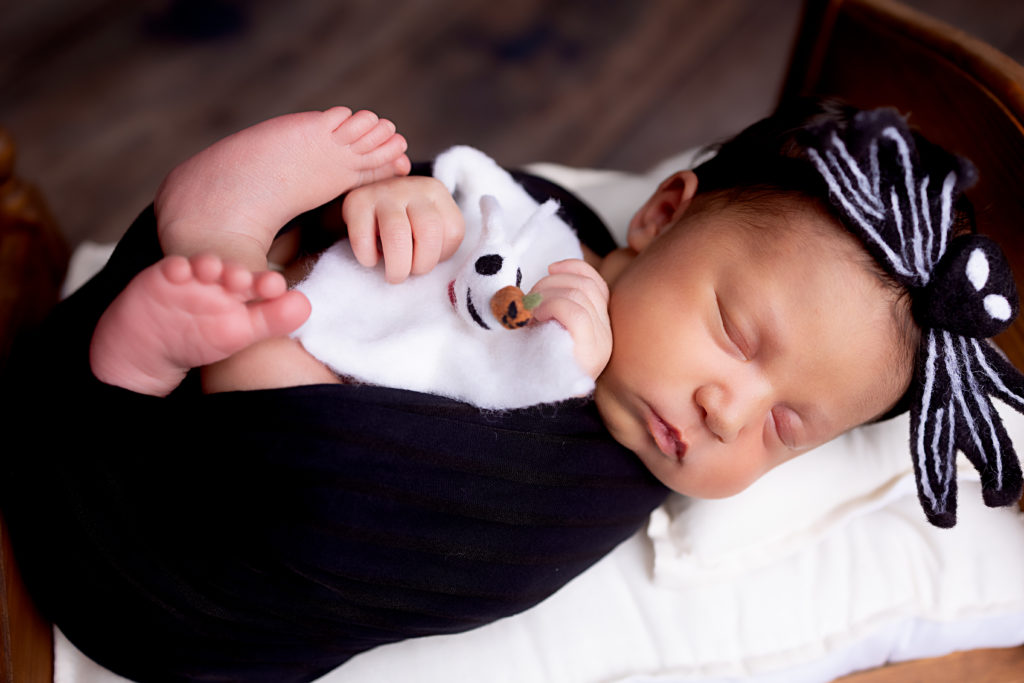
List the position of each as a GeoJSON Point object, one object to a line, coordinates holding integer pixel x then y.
{"type": "Point", "coordinates": [435, 332]}
{"type": "Point", "coordinates": [825, 566]}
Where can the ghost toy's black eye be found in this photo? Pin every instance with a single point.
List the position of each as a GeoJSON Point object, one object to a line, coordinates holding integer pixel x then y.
{"type": "Point", "coordinates": [489, 264]}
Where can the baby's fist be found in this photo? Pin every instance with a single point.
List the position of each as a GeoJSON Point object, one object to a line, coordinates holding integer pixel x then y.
{"type": "Point", "coordinates": [576, 296]}
{"type": "Point", "coordinates": [410, 221]}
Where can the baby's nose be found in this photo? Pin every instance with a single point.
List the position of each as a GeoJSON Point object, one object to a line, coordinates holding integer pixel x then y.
{"type": "Point", "coordinates": [728, 410]}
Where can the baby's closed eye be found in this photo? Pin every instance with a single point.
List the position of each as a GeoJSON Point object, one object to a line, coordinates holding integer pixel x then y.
{"type": "Point", "coordinates": [737, 342]}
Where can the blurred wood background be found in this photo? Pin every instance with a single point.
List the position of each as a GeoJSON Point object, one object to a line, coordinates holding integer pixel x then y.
{"type": "Point", "coordinates": [103, 97]}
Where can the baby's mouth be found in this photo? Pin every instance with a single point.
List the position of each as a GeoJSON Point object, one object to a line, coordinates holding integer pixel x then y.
{"type": "Point", "coordinates": [666, 437]}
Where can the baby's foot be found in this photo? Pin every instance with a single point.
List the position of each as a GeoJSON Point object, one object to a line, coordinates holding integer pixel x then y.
{"type": "Point", "coordinates": [180, 313]}
{"type": "Point", "coordinates": [234, 196]}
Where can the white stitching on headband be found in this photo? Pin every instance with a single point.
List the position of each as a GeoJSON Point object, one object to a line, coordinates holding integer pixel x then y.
{"type": "Point", "coordinates": [895, 261]}
{"type": "Point", "coordinates": [962, 291]}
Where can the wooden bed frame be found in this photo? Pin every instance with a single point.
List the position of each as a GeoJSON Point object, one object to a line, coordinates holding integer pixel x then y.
{"type": "Point", "coordinates": [959, 91]}
{"type": "Point", "coordinates": [33, 260]}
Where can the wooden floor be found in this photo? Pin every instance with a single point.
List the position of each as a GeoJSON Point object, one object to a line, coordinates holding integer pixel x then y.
{"type": "Point", "coordinates": [104, 97]}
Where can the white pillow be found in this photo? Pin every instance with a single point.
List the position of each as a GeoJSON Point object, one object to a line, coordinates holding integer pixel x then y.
{"type": "Point", "coordinates": [614, 195]}
{"type": "Point", "coordinates": [793, 505]}
{"type": "Point", "coordinates": [797, 504]}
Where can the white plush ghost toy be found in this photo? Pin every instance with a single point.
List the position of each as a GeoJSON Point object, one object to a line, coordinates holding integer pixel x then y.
{"type": "Point", "coordinates": [437, 332]}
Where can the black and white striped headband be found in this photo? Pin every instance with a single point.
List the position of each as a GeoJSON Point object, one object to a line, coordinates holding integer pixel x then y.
{"type": "Point", "coordinates": [900, 199]}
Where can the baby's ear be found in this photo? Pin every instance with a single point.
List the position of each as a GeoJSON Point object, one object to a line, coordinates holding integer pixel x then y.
{"type": "Point", "coordinates": [662, 209]}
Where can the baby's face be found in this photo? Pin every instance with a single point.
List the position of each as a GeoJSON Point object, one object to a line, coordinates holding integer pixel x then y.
{"type": "Point", "coordinates": [736, 350]}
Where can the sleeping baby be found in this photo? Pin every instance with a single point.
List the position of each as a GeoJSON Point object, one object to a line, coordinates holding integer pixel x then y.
{"type": "Point", "coordinates": [818, 273]}
{"type": "Point", "coordinates": [748, 325]}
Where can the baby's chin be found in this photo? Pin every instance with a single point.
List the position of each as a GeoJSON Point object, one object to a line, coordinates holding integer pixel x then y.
{"type": "Point", "coordinates": [700, 474]}
{"type": "Point", "coordinates": [702, 490]}
{"type": "Point", "coordinates": [614, 415]}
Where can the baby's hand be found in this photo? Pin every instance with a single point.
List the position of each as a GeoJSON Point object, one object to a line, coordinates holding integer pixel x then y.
{"type": "Point", "coordinates": [577, 297]}
{"type": "Point", "coordinates": [412, 221]}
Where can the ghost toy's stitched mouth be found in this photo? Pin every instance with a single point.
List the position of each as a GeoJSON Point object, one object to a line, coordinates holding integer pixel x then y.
{"type": "Point", "coordinates": [472, 310]}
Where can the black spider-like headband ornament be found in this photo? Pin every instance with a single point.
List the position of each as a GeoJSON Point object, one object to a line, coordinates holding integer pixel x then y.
{"type": "Point", "coordinates": [899, 200]}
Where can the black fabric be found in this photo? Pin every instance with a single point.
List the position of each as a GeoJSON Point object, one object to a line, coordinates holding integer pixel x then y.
{"type": "Point", "coordinates": [272, 535]}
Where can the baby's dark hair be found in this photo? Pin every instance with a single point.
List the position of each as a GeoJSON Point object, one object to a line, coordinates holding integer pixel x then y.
{"type": "Point", "coordinates": [766, 168]}
{"type": "Point", "coordinates": [769, 159]}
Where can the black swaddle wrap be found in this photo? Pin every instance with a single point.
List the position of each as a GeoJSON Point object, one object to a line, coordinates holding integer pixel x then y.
{"type": "Point", "coordinates": [271, 535]}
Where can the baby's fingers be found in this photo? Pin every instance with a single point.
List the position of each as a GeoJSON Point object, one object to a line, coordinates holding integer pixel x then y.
{"type": "Point", "coordinates": [361, 220]}
{"type": "Point", "coordinates": [576, 297]}
{"type": "Point", "coordinates": [591, 335]}
{"type": "Point", "coordinates": [395, 233]}
{"type": "Point", "coordinates": [454, 227]}
{"type": "Point", "coordinates": [427, 235]}
{"type": "Point", "coordinates": [571, 307]}
{"type": "Point", "coordinates": [574, 274]}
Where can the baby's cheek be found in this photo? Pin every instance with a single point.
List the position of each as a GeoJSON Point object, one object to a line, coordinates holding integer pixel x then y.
{"type": "Point", "coordinates": [736, 469]}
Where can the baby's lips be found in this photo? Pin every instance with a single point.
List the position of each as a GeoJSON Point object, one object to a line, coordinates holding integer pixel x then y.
{"type": "Point", "coordinates": [666, 437]}
{"type": "Point", "coordinates": [512, 308]}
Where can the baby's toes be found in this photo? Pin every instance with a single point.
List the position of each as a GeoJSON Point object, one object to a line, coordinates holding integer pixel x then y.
{"type": "Point", "coordinates": [207, 268]}
{"type": "Point", "coordinates": [402, 165]}
{"type": "Point", "coordinates": [335, 116]}
{"type": "Point", "coordinates": [176, 269]}
{"type": "Point", "coordinates": [374, 137]}
{"type": "Point", "coordinates": [355, 127]}
{"type": "Point", "coordinates": [388, 167]}
{"type": "Point", "coordinates": [388, 159]}
{"type": "Point", "coordinates": [237, 280]}
{"type": "Point", "coordinates": [269, 285]}
{"type": "Point", "coordinates": [278, 316]}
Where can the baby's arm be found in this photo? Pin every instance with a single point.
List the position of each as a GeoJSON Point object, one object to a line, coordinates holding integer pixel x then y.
{"type": "Point", "coordinates": [576, 296]}
{"type": "Point", "coordinates": [413, 222]}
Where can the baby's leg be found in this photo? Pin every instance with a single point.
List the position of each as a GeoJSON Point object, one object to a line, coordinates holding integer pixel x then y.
{"type": "Point", "coordinates": [182, 313]}
{"type": "Point", "coordinates": [233, 197]}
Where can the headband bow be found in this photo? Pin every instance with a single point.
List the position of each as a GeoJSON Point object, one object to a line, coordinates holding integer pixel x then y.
{"type": "Point", "coordinates": [899, 200]}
